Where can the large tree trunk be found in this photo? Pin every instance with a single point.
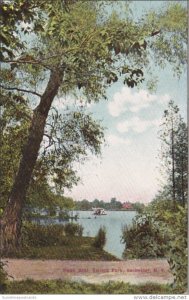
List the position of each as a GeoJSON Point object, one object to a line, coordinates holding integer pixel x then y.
{"type": "Point", "coordinates": [11, 220]}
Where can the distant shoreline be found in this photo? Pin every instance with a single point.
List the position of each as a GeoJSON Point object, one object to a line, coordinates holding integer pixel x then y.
{"type": "Point", "coordinates": [88, 210]}
{"type": "Point", "coordinates": [107, 210]}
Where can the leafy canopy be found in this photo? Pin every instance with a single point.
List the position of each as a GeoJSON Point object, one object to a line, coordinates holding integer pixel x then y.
{"type": "Point", "coordinates": [94, 49]}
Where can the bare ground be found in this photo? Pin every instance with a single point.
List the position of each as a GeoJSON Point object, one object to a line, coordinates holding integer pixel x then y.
{"type": "Point", "coordinates": [133, 271]}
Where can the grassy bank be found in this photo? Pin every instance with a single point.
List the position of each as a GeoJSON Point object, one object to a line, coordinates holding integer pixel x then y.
{"type": "Point", "coordinates": [68, 287]}
{"type": "Point", "coordinates": [74, 248]}
{"type": "Point", "coordinates": [58, 242]}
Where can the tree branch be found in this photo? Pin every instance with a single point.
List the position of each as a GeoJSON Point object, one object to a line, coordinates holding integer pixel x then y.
{"type": "Point", "coordinates": [33, 61]}
{"type": "Point", "coordinates": [155, 32]}
{"type": "Point", "coordinates": [50, 141]}
{"type": "Point", "coordinates": [20, 90]}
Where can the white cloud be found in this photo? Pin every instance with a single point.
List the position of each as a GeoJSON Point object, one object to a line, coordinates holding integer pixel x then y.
{"type": "Point", "coordinates": [114, 140]}
{"type": "Point", "coordinates": [128, 173]}
{"type": "Point", "coordinates": [136, 124]}
{"type": "Point", "coordinates": [129, 100]}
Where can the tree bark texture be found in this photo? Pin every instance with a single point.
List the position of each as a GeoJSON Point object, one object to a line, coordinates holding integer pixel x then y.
{"type": "Point", "coordinates": [10, 224]}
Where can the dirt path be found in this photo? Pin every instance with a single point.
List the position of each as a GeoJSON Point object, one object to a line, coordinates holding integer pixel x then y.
{"type": "Point", "coordinates": [132, 271]}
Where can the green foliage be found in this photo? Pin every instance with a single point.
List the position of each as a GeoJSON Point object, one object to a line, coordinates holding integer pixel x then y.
{"type": "Point", "coordinates": [3, 277]}
{"type": "Point", "coordinates": [174, 154]}
{"type": "Point", "coordinates": [89, 45]}
{"type": "Point", "coordinates": [139, 207]}
{"type": "Point", "coordinates": [160, 231]}
{"type": "Point", "coordinates": [55, 164]}
{"type": "Point", "coordinates": [12, 14]}
{"type": "Point", "coordinates": [174, 221]}
{"type": "Point", "coordinates": [73, 134]}
{"type": "Point", "coordinates": [52, 211]}
{"type": "Point", "coordinates": [22, 16]}
{"type": "Point", "coordinates": [74, 248]}
{"type": "Point", "coordinates": [93, 50]}
{"type": "Point", "coordinates": [143, 238]}
{"type": "Point", "coordinates": [114, 204]}
{"type": "Point", "coordinates": [181, 162]}
{"type": "Point", "coordinates": [66, 203]}
{"type": "Point", "coordinates": [57, 242]}
{"type": "Point", "coordinates": [1, 212]}
{"type": "Point", "coordinates": [100, 239]}
{"type": "Point", "coordinates": [67, 287]}
{"type": "Point", "coordinates": [177, 252]}
{"type": "Point", "coordinates": [170, 45]}
{"type": "Point", "coordinates": [34, 235]}
{"type": "Point", "coordinates": [73, 229]}
{"type": "Point", "coordinates": [63, 215]}
{"type": "Point", "coordinates": [14, 125]}
{"type": "Point", "coordinates": [84, 204]}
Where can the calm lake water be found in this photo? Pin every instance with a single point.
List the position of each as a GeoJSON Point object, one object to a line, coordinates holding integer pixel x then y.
{"type": "Point", "coordinates": [114, 221]}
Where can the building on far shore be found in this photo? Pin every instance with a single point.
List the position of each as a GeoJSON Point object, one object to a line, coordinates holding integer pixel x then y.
{"type": "Point", "coordinates": [127, 205]}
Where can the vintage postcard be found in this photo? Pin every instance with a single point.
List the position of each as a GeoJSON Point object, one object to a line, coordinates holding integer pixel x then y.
{"type": "Point", "coordinates": [94, 147]}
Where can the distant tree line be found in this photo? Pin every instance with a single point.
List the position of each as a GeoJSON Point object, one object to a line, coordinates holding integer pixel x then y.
{"type": "Point", "coordinates": [50, 203]}
{"type": "Point", "coordinates": [113, 204]}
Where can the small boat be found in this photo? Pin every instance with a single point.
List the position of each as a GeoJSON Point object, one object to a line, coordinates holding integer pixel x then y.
{"type": "Point", "coordinates": [98, 211]}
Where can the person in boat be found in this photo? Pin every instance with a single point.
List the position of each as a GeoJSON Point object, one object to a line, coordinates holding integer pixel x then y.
{"type": "Point", "coordinates": [99, 211]}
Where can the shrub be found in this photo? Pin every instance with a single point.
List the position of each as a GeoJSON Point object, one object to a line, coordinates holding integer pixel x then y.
{"type": "Point", "coordinates": [63, 215]}
{"type": "Point", "coordinates": [35, 235]}
{"type": "Point", "coordinates": [3, 277]}
{"type": "Point", "coordinates": [52, 211]}
{"type": "Point", "coordinates": [177, 253]}
{"type": "Point", "coordinates": [143, 239]}
{"type": "Point", "coordinates": [173, 219]}
{"type": "Point", "coordinates": [73, 229]}
{"type": "Point", "coordinates": [161, 230]}
{"type": "Point", "coordinates": [100, 239]}
{"type": "Point", "coordinates": [42, 235]}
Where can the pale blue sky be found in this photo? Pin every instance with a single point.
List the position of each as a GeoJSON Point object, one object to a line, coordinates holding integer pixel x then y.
{"type": "Point", "coordinates": [129, 166]}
